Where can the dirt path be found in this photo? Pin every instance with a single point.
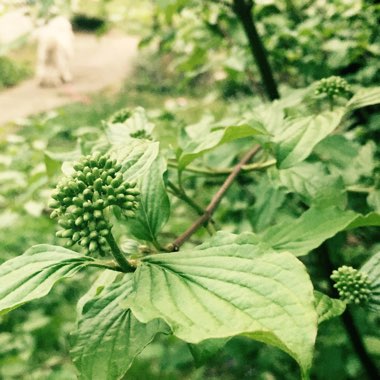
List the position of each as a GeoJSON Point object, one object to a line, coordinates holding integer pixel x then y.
{"type": "Point", "coordinates": [99, 62]}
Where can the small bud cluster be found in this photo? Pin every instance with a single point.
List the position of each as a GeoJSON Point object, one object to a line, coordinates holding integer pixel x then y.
{"type": "Point", "coordinates": [353, 286]}
{"type": "Point", "coordinates": [79, 203]}
{"type": "Point", "coordinates": [123, 115]}
{"type": "Point", "coordinates": [120, 116]}
{"type": "Point", "coordinates": [333, 86]}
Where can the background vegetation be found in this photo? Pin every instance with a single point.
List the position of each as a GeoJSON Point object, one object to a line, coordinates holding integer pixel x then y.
{"type": "Point", "coordinates": [196, 67]}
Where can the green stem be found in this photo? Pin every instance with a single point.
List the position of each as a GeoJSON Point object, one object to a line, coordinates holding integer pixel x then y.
{"type": "Point", "coordinates": [331, 102]}
{"type": "Point", "coordinates": [111, 265]}
{"type": "Point", "coordinates": [221, 172]}
{"type": "Point", "coordinates": [181, 194]}
{"type": "Point", "coordinates": [118, 255]}
{"type": "Point", "coordinates": [358, 189]}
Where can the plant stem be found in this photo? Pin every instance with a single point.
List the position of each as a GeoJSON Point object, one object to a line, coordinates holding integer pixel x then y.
{"type": "Point", "coordinates": [243, 10]}
{"type": "Point", "coordinates": [181, 194]}
{"type": "Point", "coordinates": [118, 255]}
{"type": "Point", "coordinates": [359, 189]}
{"type": "Point", "coordinates": [219, 172]}
{"type": "Point", "coordinates": [348, 321]}
{"type": "Point", "coordinates": [214, 201]}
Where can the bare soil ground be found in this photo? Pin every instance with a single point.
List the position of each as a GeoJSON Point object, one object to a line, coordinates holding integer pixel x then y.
{"type": "Point", "coordinates": [99, 63]}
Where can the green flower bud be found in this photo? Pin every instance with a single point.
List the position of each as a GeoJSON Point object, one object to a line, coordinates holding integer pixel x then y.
{"type": "Point", "coordinates": [54, 204]}
{"type": "Point", "coordinates": [84, 241]}
{"type": "Point", "coordinates": [129, 213]}
{"type": "Point", "coordinates": [104, 232]}
{"type": "Point", "coordinates": [93, 246]}
{"type": "Point", "coordinates": [133, 192]}
{"type": "Point", "coordinates": [102, 161]}
{"type": "Point", "coordinates": [78, 221]}
{"type": "Point", "coordinates": [93, 235]}
{"type": "Point", "coordinates": [86, 216]}
{"type": "Point", "coordinates": [76, 236]}
{"type": "Point", "coordinates": [67, 233]}
{"type": "Point", "coordinates": [78, 167]}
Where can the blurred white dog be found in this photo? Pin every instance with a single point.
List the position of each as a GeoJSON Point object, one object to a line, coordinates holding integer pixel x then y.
{"type": "Point", "coordinates": [55, 49]}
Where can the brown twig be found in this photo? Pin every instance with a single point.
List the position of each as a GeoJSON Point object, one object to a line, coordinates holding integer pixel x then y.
{"type": "Point", "coordinates": [214, 201]}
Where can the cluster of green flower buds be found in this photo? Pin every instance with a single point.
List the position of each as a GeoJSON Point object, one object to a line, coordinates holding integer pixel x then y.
{"type": "Point", "coordinates": [80, 202]}
{"type": "Point", "coordinates": [120, 116]}
{"type": "Point", "coordinates": [333, 86]}
{"type": "Point", "coordinates": [353, 286]}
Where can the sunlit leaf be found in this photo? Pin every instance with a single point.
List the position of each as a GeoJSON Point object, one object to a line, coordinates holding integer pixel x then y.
{"type": "Point", "coordinates": [299, 136]}
{"type": "Point", "coordinates": [309, 231]}
{"type": "Point", "coordinates": [109, 337]}
{"type": "Point", "coordinates": [372, 269]}
{"type": "Point", "coordinates": [327, 307]}
{"type": "Point", "coordinates": [364, 97]}
{"type": "Point", "coordinates": [228, 290]}
{"type": "Point", "coordinates": [154, 206]}
{"type": "Point", "coordinates": [33, 274]}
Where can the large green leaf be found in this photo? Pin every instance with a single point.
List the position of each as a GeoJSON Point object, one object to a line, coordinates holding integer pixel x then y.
{"type": "Point", "coordinates": [154, 206]}
{"type": "Point", "coordinates": [372, 269]}
{"type": "Point", "coordinates": [228, 290]}
{"type": "Point", "coordinates": [109, 337]}
{"type": "Point", "coordinates": [327, 307]}
{"type": "Point", "coordinates": [268, 199]}
{"type": "Point", "coordinates": [207, 141]}
{"type": "Point", "coordinates": [371, 219]}
{"type": "Point", "coordinates": [309, 231]}
{"type": "Point", "coordinates": [33, 274]}
{"type": "Point", "coordinates": [365, 97]}
{"type": "Point", "coordinates": [105, 278]}
{"type": "Point", "coordinates": [299, 136]}
{"type": "Point", "coordinates": [207, 349]}
{"type": "Point", "coordinates": [346, 158]}
{"type": "Point", "coordinates": [313, 184]}
{"type": "Point", "coordinates": [136, 157]}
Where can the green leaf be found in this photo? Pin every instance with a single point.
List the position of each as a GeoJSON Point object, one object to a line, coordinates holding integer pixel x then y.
{"type": "Point", "coordinates": [228, 290]}
{"type": "Point", "coordinates": [269, 199]}
{"type": "Point", "coordinates": [347, 158]}
{"type": "Point", "coordinates": [32, 275]}
{"type": "Point", "coordinates": [371, 219]}
{"type": "Point", "coordinates": [327, 307]}
{"type": "Point", "coordinates": [364, 97]}
{"type": "Point", "coordinates": [107, 277]}
{"type": "Point", "coordinates": [109, 337]}
{"type": "Point", "coordinates": [222, 238]}
{"type": "Point", "coordinates": [205, 142]}
{"type": "Point", "coordinates": [136, 157]}
{"type": "Point", "coordinates": [309, 231]}
{"type": "Point", "coordinates": [313, 184]}
{"type": "Point", "coordinates": [372, 269]}
{"type": "Point", "coordinates": [154, 206]}
{"type": "Point", "coordinates": [299, 136]}
{"type": "Point", "coordinates": [207, 349]}
{"type": "Point", "coordinates": [373, 200]}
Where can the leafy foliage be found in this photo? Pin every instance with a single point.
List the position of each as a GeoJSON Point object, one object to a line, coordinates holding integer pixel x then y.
{"type": "Point", "coordinates": [310, 193]}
